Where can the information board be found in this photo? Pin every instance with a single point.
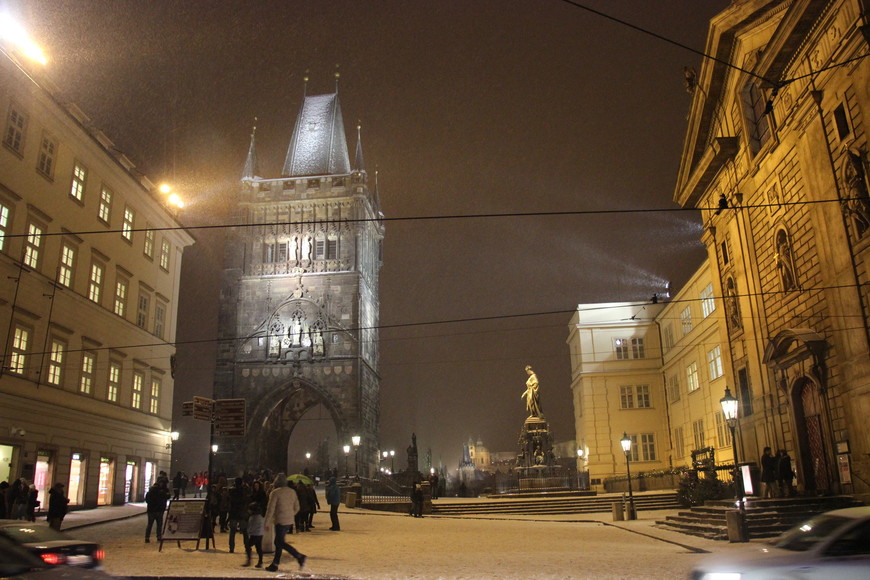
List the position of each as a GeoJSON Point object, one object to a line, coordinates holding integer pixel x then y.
{"type": "Point", "coordinates": [183, 520]}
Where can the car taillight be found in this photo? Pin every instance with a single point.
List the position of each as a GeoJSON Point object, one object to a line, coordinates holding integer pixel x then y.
{"type": "Point", "coordinates": [99, 554]}
{"type": "Point", "coordinates": [53, 559]}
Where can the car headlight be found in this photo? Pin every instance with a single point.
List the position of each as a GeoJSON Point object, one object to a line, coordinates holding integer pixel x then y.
{"type": "Point", "coordinates": [720, 576]}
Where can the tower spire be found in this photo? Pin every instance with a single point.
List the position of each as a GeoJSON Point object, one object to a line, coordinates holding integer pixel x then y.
{"type": "Point", "coordinates": [337, 75]}
{"type": "Point", "coordinates": [305, 84]}
{"type": "Point", "coordinates": [251, 169]}
{"type": "Point", "coordinates": [358, 162]}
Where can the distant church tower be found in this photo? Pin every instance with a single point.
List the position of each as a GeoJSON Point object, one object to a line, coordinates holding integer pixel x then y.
{"type": "Point", "coordinates": [299, 298]}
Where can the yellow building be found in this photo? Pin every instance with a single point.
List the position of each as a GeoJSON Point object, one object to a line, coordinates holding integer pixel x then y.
{"type": "Point", "coordinates": [776, 157]}
{"type": "Point", "coordinates": [89, 278]}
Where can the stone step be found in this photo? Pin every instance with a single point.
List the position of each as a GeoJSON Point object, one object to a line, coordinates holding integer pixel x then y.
{"type": "Point", "coordinates": [563, 505]}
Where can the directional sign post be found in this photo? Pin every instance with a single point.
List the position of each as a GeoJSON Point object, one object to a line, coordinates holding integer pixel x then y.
{"type": "Point", "coordinates": [202, 408]}
{"type": "Point", "coordinates": [229, 417]}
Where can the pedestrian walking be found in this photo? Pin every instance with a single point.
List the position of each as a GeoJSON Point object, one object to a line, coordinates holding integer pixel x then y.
{"type": "Point", "coordinates": [255, 531]}
{"type": "Point", "coordinates": [4, 496]}
{"type": "Point", "coordinates": [155, 501]}
{"type": "Point", "coordinates": [313, 504]}
{"type": "Point", "coordinates": [768, 474]}
{"type": "Point", "coordinates": [176, 486]}
{"type": "Point", "coordinates": [57, 506]}
{"type": "Point", "coordinates": [301, 518]}
{"type": "Point", "coordinates": [280, 513]}
{"type": "Point", "coordinates": [32, 503]}
{"type": "Point", "coordinates": [239, 497]}
{"type": "Point", "coordinates": [333, 498]}
{"type": "Point", "coordinates": [784, 474]}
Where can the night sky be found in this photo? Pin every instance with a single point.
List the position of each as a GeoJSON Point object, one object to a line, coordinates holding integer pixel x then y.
{"type": "Point", "coordinates": [467, 108]}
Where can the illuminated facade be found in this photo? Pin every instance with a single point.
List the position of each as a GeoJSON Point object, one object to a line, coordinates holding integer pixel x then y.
{"type": "Point", "coordinates": [89, 270]}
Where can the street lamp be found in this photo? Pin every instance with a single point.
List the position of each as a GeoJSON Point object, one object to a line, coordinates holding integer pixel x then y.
{"type": "Point", "coordinates": [392, 461]}
{"type": "Point", "coordinates": [307, 460]}
{"type": "Point", "coordinates": [346, 453]}
{"type": "Point", "coordinates": [580, 455]}
{"type": "Point", "coordinates": [626, 447]}
{"type": "Point", "coordinates": [729, 410]}
{"type": "Point", "coordinates": [355, 440]}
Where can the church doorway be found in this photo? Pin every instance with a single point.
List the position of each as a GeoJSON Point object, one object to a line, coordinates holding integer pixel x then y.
{"type": "Point", "coordinates": [812, 438]}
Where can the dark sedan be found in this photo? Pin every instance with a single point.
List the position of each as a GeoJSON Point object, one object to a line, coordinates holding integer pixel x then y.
{"type": "Point", "coordinates": [52, 547]}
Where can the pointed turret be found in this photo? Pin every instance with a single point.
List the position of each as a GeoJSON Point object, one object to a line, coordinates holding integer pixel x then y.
{"type": "Point", "coordinates": [251, 170]}
{"type": "Point", "coordinates": [318, 145]}
{"type": "Point", "coordinates": [359, 164]}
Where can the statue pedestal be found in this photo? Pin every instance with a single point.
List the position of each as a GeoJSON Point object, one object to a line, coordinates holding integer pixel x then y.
{"type": "Point", "coordinates": [536, 468]}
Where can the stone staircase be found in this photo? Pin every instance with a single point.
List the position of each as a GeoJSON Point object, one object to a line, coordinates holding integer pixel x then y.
{"type": "Point", "coordinates": [554, 505]}
{"type": "Point", "coordinates": [765, 518]}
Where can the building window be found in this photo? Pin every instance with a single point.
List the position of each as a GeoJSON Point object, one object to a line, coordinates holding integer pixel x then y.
{"type": "Point", "coordinates": [86, 383]}
{"type": "Point", "coordinates": [16, 124]}
{"type": "Point", "coordinates": [159, 319]}
{"type": "Point", "coordinates": [127, 226]}
{"type": "Point", "coordinates": [105, 210]}
{"type": "Point", "coordinates": [154, 405]}
{"type": "Point", "coordinates": [4, 226]}
{"type": "Point", "coordinates": [165, 248]}
{"type": "Point", "coordinates": [722, 431]}
{"type": "Point", "coordinates": [647, 447]}
{"type": "Point", "coordinates": [319, 248]}
{"type": "Point", "coordinates": [698, 433]}
{"type": "Point", "coordinates": [679, 443]}
{"type": "Point", "coordinates": [79, 177]}
{"type": "Point", "coordinates": [745, 393]}
{"type": "Point", "coordinates": [18, 354]}
{"type": "Point", "coordinates": [332, 249]}
{"type": "Point", "coordinates": [114, 385]}
{"type": "Point", "coordinates": [95, 283]}
{"type": "Point", "coordinates": [634, 397]}
{"type": "Point", "coordinates": [714, 362]}
{"type": "Point", "coordinates": [637, 348]}
{"type": "Point", "coordinates": [32, 245]}
{"type": "Point", "coordinates": [66, 269]}
{"type": "Point", "coordinates": [121, 287]}
{"type": "Point", "coordinates": [686, 320]}
{"type": "Point", "coordinates": [149, 243]}
{"type": "Point", "coordinates": [138, 382]}
{"type": "Point", "coordinates": [628, 348]}
{"type": "Point", "coordinates": [669, 337]}
{"type": "Point", "coordinates": [142, 312]}
{"type": "Point", "coordinates": [620, 345]}
{"type": "Point", "coordinates": [47, 154]}
{"type": "Point", "coordinates": [55, 362]}
{"type": "Point", "coordinates": [708, 304]}
{"type": "Point", "coordinates": [841, 121]}
{"type": "Point", "coordinates": [692, 377]}
{"type": "Point", "coordinates": [674, 388]}
{"type": "Point", "coordinates": [757, 120]}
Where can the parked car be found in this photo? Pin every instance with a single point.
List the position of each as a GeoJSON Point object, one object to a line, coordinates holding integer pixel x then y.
{"type": "Point", "coordinates": [18, 564]}
{"type": "Point", "coordinates": [52, 547]}
{"type": "Point", "coordinates": [832, 545]}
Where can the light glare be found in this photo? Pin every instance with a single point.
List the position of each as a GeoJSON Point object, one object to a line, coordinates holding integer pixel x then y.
{"type": "Point", "coordinates": [11, 31]}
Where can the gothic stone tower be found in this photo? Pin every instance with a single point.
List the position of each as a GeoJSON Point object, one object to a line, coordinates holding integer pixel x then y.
{"type": "Point", "coordinates": [299, 298]}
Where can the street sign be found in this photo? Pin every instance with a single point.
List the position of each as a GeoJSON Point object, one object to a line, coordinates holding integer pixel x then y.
{"type": "Point", "coordinates": [229, 417]}
{"type": "Point", "coordinates": [187, 409]}
{"type": "Point", "coordinates": [202, 408]}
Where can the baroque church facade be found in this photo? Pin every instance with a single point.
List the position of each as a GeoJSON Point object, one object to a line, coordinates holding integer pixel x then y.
{"type": "Point", "coordinates": [776, 158]}
{"type": "Point", "coordinates": [299, 298]}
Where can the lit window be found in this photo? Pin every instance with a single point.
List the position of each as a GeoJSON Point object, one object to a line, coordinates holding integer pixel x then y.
{"type": "Point", "coordinates": [67, 264]}
{"type": "Point", "coordinates": [105, 209]}
{"type": "Point", "coordinates": [159, 319]}
{"type": "Point", "coordinates": [138, 381]}
{"type": "Point", "coordinates": [698, 433]}
{"type": "Point", "coordinates": [32, 245]}
{"type": "Point", "coordinates": [692, 377]}
{"type": "Point", "coordinates": [55, 362]}
{"type": "Point", "coordinates": [149, 243]}
{"type": "Point", "coordinates": [127, 226]}
{"type": "Point", "coordinates": [16, 123]}
{"type": "Point", "coordinates": [95, 284]}
{"type": "Point", "coordinates": [165, 247]}
{"type": "Point", "coordinates": [686, 320]}
{"type": "Point", "coordinates": [121, 286]}
{"type": "Point", "coordinates": [87, 379]}
{"type": "Point", "coordinates": [714, 362]}
{"type": "Point", "coordinates": [708, 304]}
{"type": "Point", "coordinates": [4, 226]}
{"type": "Point", "coordinates": [18, 354]}
{"type": "Point", "coordinates": [142, 313]}
{"type": "Point", "coordinates": [47, 153]}
{"type": "Point", "coordinates": [79, 176]}
{"type": "Point", "coordinates": [114, 385]}
{"type": "Point", "coordinates": [154, 406]}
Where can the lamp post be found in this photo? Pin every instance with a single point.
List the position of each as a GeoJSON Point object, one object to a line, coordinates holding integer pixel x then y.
{"type": "Point", "coordinates": [580, 483]}
{"type": "Point", "coordinates": [346, 453]}
{"type": "Point", "coordinates": [626, 447]}
{"type": "Point", "coordinates": [307, 461]}
{"type": "Point", "coordinates": [729, 409]}
{"type": "Point", "coordinates": [170, 445]}
{"type": "Point", "coordinates": [355, 440]}
{"type": "Point", "coordinates": [392, 461]}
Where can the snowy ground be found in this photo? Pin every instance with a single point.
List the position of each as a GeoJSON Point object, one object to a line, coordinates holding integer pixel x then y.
{"type": "Point", "coordinates": [378, 545]}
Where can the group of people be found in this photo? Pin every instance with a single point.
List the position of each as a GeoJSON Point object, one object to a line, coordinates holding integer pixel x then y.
{"type": "Point", "coordinates": [777, 475]}
{"type": "Point", "coordinates": [20, 500]}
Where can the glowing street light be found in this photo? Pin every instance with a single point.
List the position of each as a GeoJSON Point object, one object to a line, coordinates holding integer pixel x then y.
{"type": "Point", "coordinates": [12, 32]}
{"type": "Point", "coordinates": [172, 198]}
{"type": "Point", "coordinates": [346, 449]}
{"type": "Point", "coordinates": [356, 440]}
{"type": "Point", "coordinates": [626, 446]}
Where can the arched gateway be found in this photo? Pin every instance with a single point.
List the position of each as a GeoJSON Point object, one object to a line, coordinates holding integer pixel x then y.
{"type": "Point", "coordinates": [299, 297]}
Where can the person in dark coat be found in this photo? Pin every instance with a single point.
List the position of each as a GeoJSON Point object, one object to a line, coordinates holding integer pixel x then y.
{"type": "Point", "coordinates": [333, 498]}
{"type": "Point", "coordinates": [784, 473]}
{"type": "Point", "coordinates": [304, 507]}
{"type": "Point", "coordinates": [313, 503]}
{"type": "Point", "coordinates": [57, 506]}
{"type": "Point", "coordinates": [176, 486]}
{"type": "Point", "coordinates": [32, 503]}
{"type": "Point", "coordinates": [239, 497]}
{"type": "Point", "coordinates": [768, 473]}
{"type": "Point", "coordinates": [155, 500]}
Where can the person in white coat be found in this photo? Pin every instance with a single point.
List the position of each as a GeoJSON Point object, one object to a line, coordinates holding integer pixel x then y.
{"type": "Point", "coordinates": [280, 513]}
